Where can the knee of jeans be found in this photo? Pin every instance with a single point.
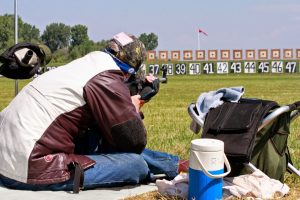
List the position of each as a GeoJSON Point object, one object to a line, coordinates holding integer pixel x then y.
{"type": "Point", "coordinates": [139, 165]}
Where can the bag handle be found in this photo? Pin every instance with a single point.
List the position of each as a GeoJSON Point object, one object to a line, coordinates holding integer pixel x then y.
{"type": "Point", "coordinates": [207, 173]}
{"type": "Point", "coordinates": [194, 115]}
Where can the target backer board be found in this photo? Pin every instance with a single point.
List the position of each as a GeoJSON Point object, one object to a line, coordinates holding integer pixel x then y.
{"type": "Point", "coordinates": [250, 54]}
{"type": "Point", "coordinates": [163, 55]}
{"type": "Point", "coordinates": [297, 53]}
{"type": "Point", "coordinates": [175, 55]}
{"type": "Point", "coordinates": [263, 54]}
{"type": "Point", "coordinates": [151, 55]}
{"type": "Point", "coordinates": [237, 54]}
{"type": "Point", "coordinates": [188, 55]}
{"type": "Point", "coordinates": [212, 54]}
{"type": "Point", "coordinates": [275, 54]}
{"type": "Point", "coordinates": [200, 55]}
{"type": "Point", "coordinates": [225, 54]}
{"type": "Point", "coordinates": [288, 53]}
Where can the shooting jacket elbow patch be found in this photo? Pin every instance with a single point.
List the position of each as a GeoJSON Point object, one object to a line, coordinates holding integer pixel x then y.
{"type": "Point", "coordinates": [129, 136]}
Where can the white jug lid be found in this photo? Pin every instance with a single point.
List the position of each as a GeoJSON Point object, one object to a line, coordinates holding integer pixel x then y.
{"type": "Point", "coordinates": [205, 144]}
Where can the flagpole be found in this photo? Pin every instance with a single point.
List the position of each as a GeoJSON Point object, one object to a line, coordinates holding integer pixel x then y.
{"type": "Point", "coordinates": [16, 41]}
{"type": "Point", "coordinates": [200, 31]}
{"type": "Point", "coordinates": [198, 40]}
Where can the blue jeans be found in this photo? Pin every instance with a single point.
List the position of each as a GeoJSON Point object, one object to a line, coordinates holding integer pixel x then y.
{"type": "Point", "coordinates": [113, 169]}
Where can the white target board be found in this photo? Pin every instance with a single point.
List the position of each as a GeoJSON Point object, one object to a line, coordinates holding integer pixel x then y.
{"type": "Point", "coordinates": [277, 66]}
{"type": "Point", "coordinates": [236, 67]}
{"type": "Point", "coordinates": [263, 67]}
{"type": "Point", "coordinates": [180, 69]}
{"type": "Point", "coordinates": [250, 67]}
{"type": "Point", "coordinates": [154, 69]}
{"type": "Point", "coordinates": [222, 67]}
{"type": "Point", "coordinates": [290, 67]}
{"type": "Point", "coordinates": [143, 69]}
{"type": "Point", "coordinates": [194, 68]}
{"type": "Point", "coordinates": [208, 68]}
{"type": "Point", "coordinates": [169, 67]}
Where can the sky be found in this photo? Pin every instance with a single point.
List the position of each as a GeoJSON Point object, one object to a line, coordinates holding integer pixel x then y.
{"type": "Point", "coordinates": [230, 24]}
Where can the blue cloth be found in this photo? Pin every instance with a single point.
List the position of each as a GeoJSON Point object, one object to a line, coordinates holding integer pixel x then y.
{"type": "Point", "coordinates": [122, 65]}
{"type": "Point", "coordinates": [213, 99]}
{"type": "Point", "coordinates": [113, 169]}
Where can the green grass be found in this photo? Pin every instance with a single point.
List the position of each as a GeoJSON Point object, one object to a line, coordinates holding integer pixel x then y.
{"type": "Point", "coordinates": [7, 90]}
{"type": "Point", "coordinates": [166, 117]}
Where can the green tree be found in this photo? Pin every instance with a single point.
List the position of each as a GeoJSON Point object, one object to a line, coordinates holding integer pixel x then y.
{"type": "Point", "coordinates": [79, 35]}
{"type": "Point", "coordinates": [86, 47]}
{"type": "Point", "coordinates": [150, 40]}
{"type": "Point", "coordinates": [99, 46]}
{"type": "Point", "coordinates": [60, 56]}
{"type": "Point", "coordinates": [57, 36]}
{"type": "Point", "coordinates": [6, 31]}
{"type": "Point", "coordinates": [26, 32]}
{"type": "Point", "coordinates": [82, 49]}
{"type": "Point", "coordinates": [29, 33]}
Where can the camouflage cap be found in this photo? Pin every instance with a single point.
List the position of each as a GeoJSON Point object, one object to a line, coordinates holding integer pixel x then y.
{"type": "Point", "coordinates": [131, 52]}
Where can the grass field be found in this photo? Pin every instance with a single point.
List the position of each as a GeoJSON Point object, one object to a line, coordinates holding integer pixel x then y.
{"type": "Point", "coordinates": [167, 120]}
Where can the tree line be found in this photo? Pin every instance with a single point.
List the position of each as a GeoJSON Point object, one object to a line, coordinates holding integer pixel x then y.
{"type": "Point", "coordinates": [66, 42]}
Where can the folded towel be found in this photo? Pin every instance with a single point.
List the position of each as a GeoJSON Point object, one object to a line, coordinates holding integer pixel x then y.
{"type": "Point", "coordinates": [176, 187]}
{"type": "Point", "coordinates": [256, 186]}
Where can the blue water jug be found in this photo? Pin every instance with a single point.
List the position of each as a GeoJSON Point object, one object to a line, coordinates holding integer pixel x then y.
{"type": "Point", "coordinates": [206, 169]}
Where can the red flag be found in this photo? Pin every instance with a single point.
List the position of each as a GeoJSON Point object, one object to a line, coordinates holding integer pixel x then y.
{"type": "Point", "coordinates": [201, 31]}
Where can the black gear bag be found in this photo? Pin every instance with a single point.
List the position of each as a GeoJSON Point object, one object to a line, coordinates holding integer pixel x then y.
{"type": "Point", "coordinates": [246, 139]}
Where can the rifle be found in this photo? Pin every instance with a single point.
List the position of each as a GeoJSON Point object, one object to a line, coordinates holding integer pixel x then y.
{"type": "Point", "coordinates": [138, 84]}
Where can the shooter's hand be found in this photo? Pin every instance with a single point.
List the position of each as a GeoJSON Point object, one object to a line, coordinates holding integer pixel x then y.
{"type": "Point", "coordinates": [137, 102]}
{"type": "Point", "coordinates": [150, 78]}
